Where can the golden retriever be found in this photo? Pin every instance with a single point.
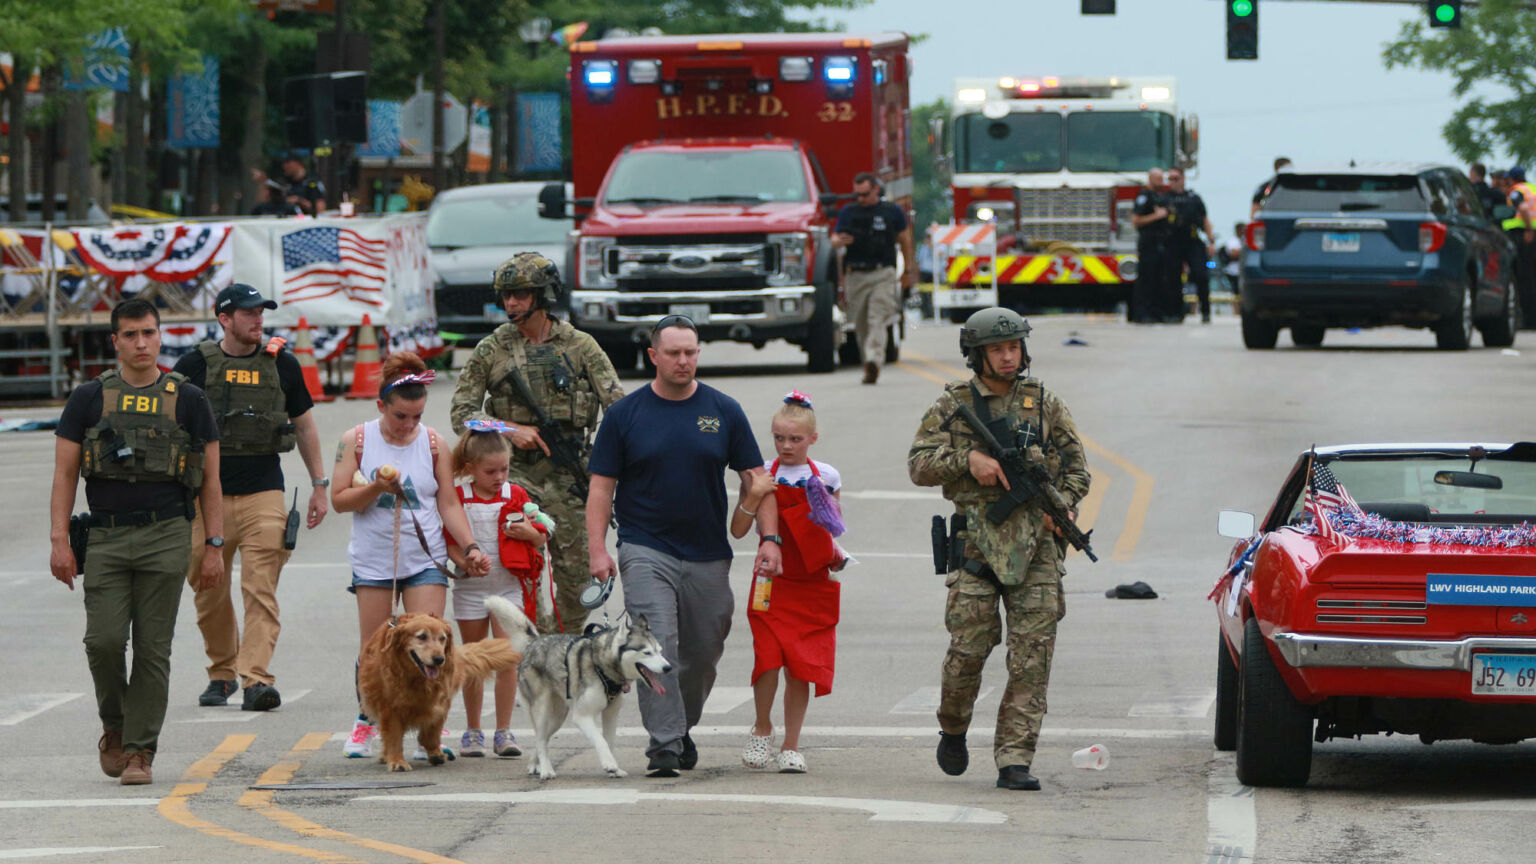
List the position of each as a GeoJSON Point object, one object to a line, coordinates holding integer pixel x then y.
{"type": "Point", "coordinates": [408, 674]}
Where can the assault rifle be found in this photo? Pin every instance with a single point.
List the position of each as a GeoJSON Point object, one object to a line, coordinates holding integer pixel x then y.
{"type": "Point", "coordinates": [564, 449]}
{"type": "Point", "coordinates": [1029, 483]}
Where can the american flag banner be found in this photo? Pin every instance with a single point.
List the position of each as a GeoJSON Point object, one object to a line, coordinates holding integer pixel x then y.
{"type": "Point", "coordinates": [1326, 499]}
{"type": "Point", "coordinates": [320, 262]}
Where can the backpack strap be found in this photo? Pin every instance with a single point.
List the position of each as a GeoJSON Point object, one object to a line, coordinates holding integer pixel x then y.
{"type": "Point", "coordinates": [357, 434]}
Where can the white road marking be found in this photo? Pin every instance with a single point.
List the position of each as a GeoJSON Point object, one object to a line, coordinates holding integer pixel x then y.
{"type": "Point", "coordinates": [1187, 705]}
{"type": "Point", "coordinates": [723, 700]}
{"type": "Point", "coordinates": [24, 706]}
{"type": "Point", "coordinates": [50, 851]}
{"type": "Point", "coordinates": [879, 810]}
{"type": "Point", "coordinates": [231, 713]}
{"type": "Point", "coordinates": [1083, 734]}
{"type": "Point", "coordinates": [1231, 828]}
{"type": "Point", "coordinates": [891, 495]}
{"type": "Point", "coordinates": [55, 803]}
{"type": "Point", "coordinates": [1503, 805]}
{"type": "Point", "coordinates": [925, 700]}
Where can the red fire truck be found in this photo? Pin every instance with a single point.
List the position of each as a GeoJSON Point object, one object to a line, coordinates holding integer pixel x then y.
{"type": "Point", "coordinates": [707, 171]}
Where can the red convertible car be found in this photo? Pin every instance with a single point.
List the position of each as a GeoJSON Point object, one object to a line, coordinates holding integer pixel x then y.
{"type": "Point", "coordinates": [1391, 588]}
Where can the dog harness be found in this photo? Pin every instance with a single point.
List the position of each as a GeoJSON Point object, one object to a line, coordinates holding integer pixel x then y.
{"type": "Point", "coordinates": [611, 688]}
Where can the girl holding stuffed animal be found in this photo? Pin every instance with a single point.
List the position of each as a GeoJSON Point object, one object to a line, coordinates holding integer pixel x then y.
{"type": "Point", "coordinates": [793, 615]}
{"type": "Point", "coordinates": [395, 476]}
{"type": "Point", "coordinates": [513, 537]}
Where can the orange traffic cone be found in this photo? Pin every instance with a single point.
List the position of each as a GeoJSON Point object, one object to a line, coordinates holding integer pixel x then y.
{"type": "Point", "coordinates": [304, 349]}
{"type": "Point", "coordinates": [366, 369]}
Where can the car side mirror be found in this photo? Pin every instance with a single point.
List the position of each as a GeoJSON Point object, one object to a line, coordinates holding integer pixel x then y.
{"type": "Point", "coordinates": [831, 201]}
{"type": "Point", "coordinates": [1236, 524]}
{"type": "Point", "coordinates": [552, 204]}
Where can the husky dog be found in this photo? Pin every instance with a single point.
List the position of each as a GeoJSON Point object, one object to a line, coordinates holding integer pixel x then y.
{"type": "Point", "coordinates": [580, 676]}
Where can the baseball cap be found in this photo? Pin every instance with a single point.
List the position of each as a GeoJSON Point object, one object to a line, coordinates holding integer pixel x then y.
{"type": "Point", "coordinates": [240, 296]}
{"type": "Point", "coordinates": [1517, 174]}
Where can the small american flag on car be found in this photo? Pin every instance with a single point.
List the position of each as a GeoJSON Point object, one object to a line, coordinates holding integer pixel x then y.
{"type": "Point", "coordinates": [1326, 499]}
{"type": "Point", "coordinates": [319, 262]}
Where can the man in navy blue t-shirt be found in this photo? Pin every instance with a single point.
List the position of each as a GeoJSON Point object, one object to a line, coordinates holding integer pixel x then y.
{"type": "Point", "coordinates": [665, 449]}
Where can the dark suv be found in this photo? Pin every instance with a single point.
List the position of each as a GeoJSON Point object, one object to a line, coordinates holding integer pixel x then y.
{"type": "Point", "coordinates": [1378, 245]}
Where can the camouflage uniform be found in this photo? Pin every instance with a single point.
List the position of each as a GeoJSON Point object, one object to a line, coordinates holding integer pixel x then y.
{"type": "Point", "coordinates": [591, 386]}
{"type": "Point", "coordinates": [1026, 558]}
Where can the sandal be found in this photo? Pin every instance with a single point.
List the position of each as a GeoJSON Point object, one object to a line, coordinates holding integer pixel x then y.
{"type": "Point", "coordinates": [791, 762]}
{"type": "Point", "coordinates": [758, 751]}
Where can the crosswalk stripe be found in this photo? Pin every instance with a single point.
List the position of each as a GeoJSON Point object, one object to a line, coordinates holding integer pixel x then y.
{"type": "Point", "coordinates": [24, 706]}
{"type": "Point", "coordinates": [51, 851]}
{"type": "Point", "coordinates": [724, 700]}
{"type": "Point", "coordinates": [1180, 705]}
{"type": "Point", "coordinates": [925, 700]}
{"type": "Point", "coordinates": [231, 713]}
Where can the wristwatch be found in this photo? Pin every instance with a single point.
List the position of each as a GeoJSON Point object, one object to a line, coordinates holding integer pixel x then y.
{"type": "Point", "coordinates": [321, 483]}
{"type": "Point", "coordinates": [215, 542]}
{"type": "Point", "coordinates": [771, 538]}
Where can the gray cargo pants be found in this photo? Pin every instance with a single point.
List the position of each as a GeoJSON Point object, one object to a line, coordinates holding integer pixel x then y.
{"type": "Point", "coordinates": [689, 606]}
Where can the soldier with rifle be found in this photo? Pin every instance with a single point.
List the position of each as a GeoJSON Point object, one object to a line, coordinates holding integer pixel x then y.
{"type": "Point", "coordinates": [549, 381]}
{"type": "Point", "coordinates": [1005, 451]}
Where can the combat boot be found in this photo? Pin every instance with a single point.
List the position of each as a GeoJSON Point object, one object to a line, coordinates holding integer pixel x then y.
{"type": "Point", "coordinates": [952, 755]}
{"type": "Point", "coordinates": [1017, 777]}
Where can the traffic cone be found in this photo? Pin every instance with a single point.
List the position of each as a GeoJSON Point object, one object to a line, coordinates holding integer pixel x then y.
{"type": "Point", "coordinates": [366, 369]}
{"type": "Point", "coordinates": [304, 349]}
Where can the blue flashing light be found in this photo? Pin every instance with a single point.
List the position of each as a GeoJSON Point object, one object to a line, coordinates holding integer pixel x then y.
{"type": "Point", "coordinates": [838, 70]}
{"type": "Point", "coordinates": [600, 73]}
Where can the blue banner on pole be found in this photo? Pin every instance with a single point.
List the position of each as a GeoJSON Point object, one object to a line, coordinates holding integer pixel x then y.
{"type": "Point", "coordinates": [106, 63]}
{"type": "Point", "coordinates": [192, 107]}
{"type": "Point", "coordinates": [538, 132]}
{"type": "Point", "coordinates": [383, 130]}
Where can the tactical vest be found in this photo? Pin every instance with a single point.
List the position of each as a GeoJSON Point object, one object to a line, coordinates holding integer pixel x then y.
{"type": "Point", "coordinates": [138, 438]}
{"type": "Point", "coordinates": [248, 401]}
{"type": "Point", "coordinates": [561, 387]}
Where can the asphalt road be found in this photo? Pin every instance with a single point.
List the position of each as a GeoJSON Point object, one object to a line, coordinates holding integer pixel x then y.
{"type": "Point", "coordinates": [1181, 422]}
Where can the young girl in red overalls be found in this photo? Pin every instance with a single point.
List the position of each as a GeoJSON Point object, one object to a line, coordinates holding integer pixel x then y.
{"type": "Point", "coordinates": [793, 615]}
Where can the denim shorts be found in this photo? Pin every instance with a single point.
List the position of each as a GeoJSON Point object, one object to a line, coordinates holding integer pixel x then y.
{"type": "Point", "coordinates": [429, 576]}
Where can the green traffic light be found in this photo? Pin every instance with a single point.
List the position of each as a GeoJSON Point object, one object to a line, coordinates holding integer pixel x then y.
{"type": "Point", "coordinates": [1244, 8]}
{"type": "Point", "coordinates": [1445, 13]}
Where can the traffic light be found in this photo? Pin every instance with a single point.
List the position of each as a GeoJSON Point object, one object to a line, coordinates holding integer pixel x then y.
{"type": "Point", "coordinates": [1098, 7]}
{"type": "Point", "coordinates": [1444, 13]}
{"type": "Point", "coordinates": [1242, 29]}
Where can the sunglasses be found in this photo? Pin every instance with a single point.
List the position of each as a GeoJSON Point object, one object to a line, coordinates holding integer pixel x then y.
{"type": "Point", "coordinates": [519, 293]}
{"type": "Point", "coordinates": [674, 321]}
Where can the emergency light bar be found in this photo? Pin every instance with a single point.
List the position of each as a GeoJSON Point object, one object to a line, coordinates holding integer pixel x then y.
{"type": "Point", "coordinates": [600, 76]}
{"type": "Point", "coordinates": [1061, 88]}
{"type": "Point", "coordinates": [839, 73]}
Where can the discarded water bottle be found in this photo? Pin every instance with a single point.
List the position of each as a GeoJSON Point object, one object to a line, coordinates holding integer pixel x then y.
{"type": "Point", "coordinates": [1094, 758]}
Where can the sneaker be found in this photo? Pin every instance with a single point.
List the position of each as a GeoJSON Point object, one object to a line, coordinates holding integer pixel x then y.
{"type": "Point", "coordinates": [421, 752]}
{"type": "Point", "coordinates": [952, 755]}
{"type": "Point", "coordinates": [360, 743]}
{"type": "Point", "coordinates": [791, 762]}
{"type": "Point", "coordinates": [136, 771]}
{"type": "Point", "coordinates": [871, 372]}
{"type": "Point", "coordinates": [504, 744]}
{"type": "Point", "coordinates": [472, 743]}
{"type": "Point", "coordinates": [113, 759]}
{"type": "Point", "coordinates": [758, 751]}
{"type": "Point", "coordinates": [260, 697]}
{"type": "Point", "coordinates": [218, 693]}
{"type": "Point", "coordinates": [690, 756]}
{"type": "Point", "coordinates": [663, 764]}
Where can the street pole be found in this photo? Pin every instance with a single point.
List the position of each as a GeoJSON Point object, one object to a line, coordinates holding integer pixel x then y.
{"type": "Point", "coordinates": [439, 177]}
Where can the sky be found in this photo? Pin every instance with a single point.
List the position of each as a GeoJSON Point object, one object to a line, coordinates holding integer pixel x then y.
{"type": "Point", "coordinates": [1318, 91]}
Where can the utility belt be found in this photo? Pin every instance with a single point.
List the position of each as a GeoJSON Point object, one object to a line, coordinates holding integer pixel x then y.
{"type": "Point", "coordinates": [949, 551]}
{"type": "Point", "coordinates": [135, 518]}
{"type": "Point", "coordinates": [866, 266]}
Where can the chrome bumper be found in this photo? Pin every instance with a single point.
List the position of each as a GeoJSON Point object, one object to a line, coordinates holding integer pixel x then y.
{"type": "Point", "coordinates": [1301, 650]}
{"type": "Point", "coordinates": [772, 314]}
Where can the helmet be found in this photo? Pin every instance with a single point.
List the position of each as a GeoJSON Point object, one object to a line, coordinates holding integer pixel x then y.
{"type": "Point", "coordinates": [530, 270]}
{"type": "Point", "coordinates": [989, 326]}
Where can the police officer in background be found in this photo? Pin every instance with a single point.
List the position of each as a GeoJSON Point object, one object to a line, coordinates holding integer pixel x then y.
{"type": "Point", "coordinates": [1018, 563]}
{"type": "Point", "coordinates": [263, 409]}
{"type": "Point", "coordinates": [871, 230]}
{"type": "Point", "coordinates": [1488, 196]}
{"type": "Point", "coordinates": [1187, 247]}
{"type": "Point", "coordinates": [1150, 215]}
{"type": "Point", "coordinates": [571, 379]}
{"type": "Point", "coordinates": [1521, 228]}
{"type": "Point", "coordinates": [146, 444]}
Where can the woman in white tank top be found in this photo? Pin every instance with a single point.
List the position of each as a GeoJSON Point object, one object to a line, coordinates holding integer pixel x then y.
{"type": "Point", "coordinates": [383, 561]}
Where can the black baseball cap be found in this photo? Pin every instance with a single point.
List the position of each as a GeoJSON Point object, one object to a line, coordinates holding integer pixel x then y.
{"type": "Point", "coordinates": [240, 296]}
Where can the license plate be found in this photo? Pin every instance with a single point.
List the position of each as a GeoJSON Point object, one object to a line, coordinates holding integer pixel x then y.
{"type": "Point", "coordinates": [698, 313]}
{"type": "Point", "coordinates": [494, 312]}
{"type": "Point", "coordinates": [963, 297]}
{"type": "Point", "coordinates": [1504, 674]}
{"type": "Point", "coordinates": [1341, 242]}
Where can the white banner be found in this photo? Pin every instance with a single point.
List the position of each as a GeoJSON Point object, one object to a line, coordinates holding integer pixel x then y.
{"type": "Point", "coordinates": [335, 271]}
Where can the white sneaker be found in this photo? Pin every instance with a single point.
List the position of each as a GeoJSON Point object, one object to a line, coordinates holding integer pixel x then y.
{"type": "Point", "coordinates": [360, 743]}
{"type": "Point", "coordinates": [421, 752]}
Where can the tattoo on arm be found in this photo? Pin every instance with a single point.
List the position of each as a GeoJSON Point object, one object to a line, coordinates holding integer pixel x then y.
{"type": "Point", "coordinates": [341, 450]}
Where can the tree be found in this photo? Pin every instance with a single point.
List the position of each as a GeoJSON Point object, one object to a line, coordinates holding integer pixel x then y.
{"type": "Point", "coordinates": [1492, 56]}
{"type": "Point", "coordinates": [930, 183]}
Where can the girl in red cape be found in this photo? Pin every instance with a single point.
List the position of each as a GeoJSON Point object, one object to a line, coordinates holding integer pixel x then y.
{"type": "Point", "coordinates": [793, 615]}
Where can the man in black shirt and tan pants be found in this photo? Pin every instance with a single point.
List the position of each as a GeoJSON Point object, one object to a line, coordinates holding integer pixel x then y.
{"type": "Point", "coordinates": [870, 231]}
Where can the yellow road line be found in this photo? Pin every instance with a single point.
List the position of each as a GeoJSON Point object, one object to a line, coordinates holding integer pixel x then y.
{"type": "Point", "coordinates": [1088, 508]}
{"type": "Point", "coordinates": [260, 801]}
{"type": "Point", "coordinates": [1141, 493]}
{"type": "Point", "coordinates": [174, 807]}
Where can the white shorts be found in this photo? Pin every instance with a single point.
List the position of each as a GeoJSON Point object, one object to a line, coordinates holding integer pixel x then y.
{"type": "Point", "coordinates": [469, 593]}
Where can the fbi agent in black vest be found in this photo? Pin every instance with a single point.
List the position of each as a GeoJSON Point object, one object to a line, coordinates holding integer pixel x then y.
{"type": "Point", "coordinates": [263, 409]}
{"type": "Point", "coordinates": [146, 444]}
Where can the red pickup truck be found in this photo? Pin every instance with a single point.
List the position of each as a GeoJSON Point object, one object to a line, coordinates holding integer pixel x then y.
{"type": "Point", "coordinates": [707, 172]}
